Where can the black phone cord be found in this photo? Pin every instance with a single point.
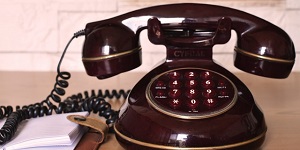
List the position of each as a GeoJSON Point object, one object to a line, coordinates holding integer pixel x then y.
{"type": "Point", "coordinates": [91, 102]}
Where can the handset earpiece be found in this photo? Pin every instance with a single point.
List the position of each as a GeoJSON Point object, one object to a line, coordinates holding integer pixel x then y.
{"type": "Point", "coordinates": [109, 50]}
{"type": "Point", "coordinates": [265, 50]}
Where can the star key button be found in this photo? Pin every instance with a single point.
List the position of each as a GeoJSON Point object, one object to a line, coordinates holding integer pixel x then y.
{"type": "Point", "coordinates": [175, 103]}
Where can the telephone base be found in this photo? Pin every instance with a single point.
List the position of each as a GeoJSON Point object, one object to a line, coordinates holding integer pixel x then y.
{"type": "Point", "coordinates": [133, 144]}
{"type": "Point", "coordinates": [220, 120]}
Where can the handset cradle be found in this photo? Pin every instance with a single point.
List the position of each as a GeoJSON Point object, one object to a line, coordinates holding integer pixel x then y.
{"type": "Point", "coordinates": [189, 101]}
{"type": "Point", "coordinates": [191, 35]}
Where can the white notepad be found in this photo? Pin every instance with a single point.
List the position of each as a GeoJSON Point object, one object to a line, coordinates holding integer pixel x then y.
{"type": "Point", "coordinates": [48, 132]}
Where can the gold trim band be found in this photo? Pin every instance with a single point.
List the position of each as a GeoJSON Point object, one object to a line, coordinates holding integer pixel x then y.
{"type": "Point", "coordinates": [112, 55]}
{"type": "Point", "coordinates": [150, 145]}
{"type": "Point", "coordinates": [262, 57]}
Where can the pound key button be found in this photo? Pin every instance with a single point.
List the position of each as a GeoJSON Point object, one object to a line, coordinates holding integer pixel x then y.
{"type": "Point", "coordinates": [210, 102]}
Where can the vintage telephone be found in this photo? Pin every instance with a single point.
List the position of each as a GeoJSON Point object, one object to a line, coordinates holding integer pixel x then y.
{"type": "Point", "coordinates": [188, 101]}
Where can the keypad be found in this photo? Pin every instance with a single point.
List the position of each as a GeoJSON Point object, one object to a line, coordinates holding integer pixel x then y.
{"type": "Point", "coordinates": [192, 92]}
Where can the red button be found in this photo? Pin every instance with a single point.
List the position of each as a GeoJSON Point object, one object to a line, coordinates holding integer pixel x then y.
{"type": "Point", "coordinates": [160, 83]}
{"type": "Point", "coordinates": [192, 93]}
{"type": "Point", "coordinates": [209, 93]}
{"type": "Point", "coordinates": [193, 103]}
{"type": "Point", "coordinates": [222, 83]}
{"type": "Point", "coordinates": [174, 75]}
{"type": "Point", "coordinates": [223, 93]}
{"type": "Point", "coordinates": [206, 75]}
{"type": "Point", "coordinates": [191, 83]}
{"type": "Point", "coordinates": [175, 103]}
{"type": "Point", "coordinates": [174, 93]}
{"type": "Point", "coordinates": [160, 93]}
{"type": "Point", "coordinates": [210, 102]}
{"type": "Point", "coordinates": [190, 75]}
{"type": "Point", "coordinates": [175, 84]}
{"type": "Point", "coordinates": [207, 84]}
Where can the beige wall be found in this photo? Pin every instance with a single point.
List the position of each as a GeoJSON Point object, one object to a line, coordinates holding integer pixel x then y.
{"type": "Point", "coordinates": [34, 32]}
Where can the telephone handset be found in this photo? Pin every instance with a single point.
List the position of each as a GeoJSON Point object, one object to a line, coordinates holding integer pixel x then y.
{"type": "Point", "coordinates": [188, 101]}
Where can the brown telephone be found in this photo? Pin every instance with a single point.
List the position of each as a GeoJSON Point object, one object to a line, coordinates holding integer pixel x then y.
{"type": "Point", "coordinates": [188, 102]}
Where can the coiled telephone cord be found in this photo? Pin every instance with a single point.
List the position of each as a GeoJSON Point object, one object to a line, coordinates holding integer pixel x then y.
{"type": "Point", "coordinates": [78, 102]}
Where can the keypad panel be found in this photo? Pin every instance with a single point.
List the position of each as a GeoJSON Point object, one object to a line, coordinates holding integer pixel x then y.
{"type": "Point", "coordinates": [192, 93]}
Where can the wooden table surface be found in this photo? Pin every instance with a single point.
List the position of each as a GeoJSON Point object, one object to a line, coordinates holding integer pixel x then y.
{"type": "Point", "coordinates": [279, 99]}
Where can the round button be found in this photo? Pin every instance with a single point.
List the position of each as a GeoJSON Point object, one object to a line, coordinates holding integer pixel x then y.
{"type": "Point", "coordinates": [160, 93]}
{"type": "Point", "coordinates": [175, 84]}
{"type": "Point", "coordinates": [190, 75]}
{"type": "Point", "coordinates": [207, 84]}
{"type": "Point", "coordinates": [206, 75]}
{"type": "Point", "coordinates": [192, 93]}
{"type": "Point", "coordinates": [210, 102]}
{"type": "Point", "coordinates": [160, 83]}
{"type": "Point", "coordinates": [222, 83]}
{"type": "Point", "coordinates": [223, 93]}
{"type": "Point", "coordinates": [174, 93]}
{"type": "Point", "coordinates": [191, 83]}
{"type": "Point", "coordinates": [174, 75]}
{"type": "Point", "coordinates": [193, 103]}
{"type": "Point", "coordinates": [209, 93]}
{"type": "Point", "coordinates": [175, 103]}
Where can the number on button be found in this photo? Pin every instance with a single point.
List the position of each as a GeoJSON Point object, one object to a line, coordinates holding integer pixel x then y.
{"type": "Point", "coordinates": [191, 84]}
{"type": "Point", "coordinates": [174, 93]}
{"type": "Point", "coordinates": [192, 93]}
{"type": "Point", "coordinates": [174, 75]}
{"type": "Point", "coordinates": [193, 103]}
{"type": "Point", "coordinates": [175, 84]}
{"type": "Point", "coordinates": [190, 75]}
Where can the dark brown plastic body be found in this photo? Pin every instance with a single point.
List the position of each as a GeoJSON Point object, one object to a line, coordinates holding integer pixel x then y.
{"type": "Point", "coordinates": [112, 47]}
{"type": "Point", "coordinates": [242, 127]}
